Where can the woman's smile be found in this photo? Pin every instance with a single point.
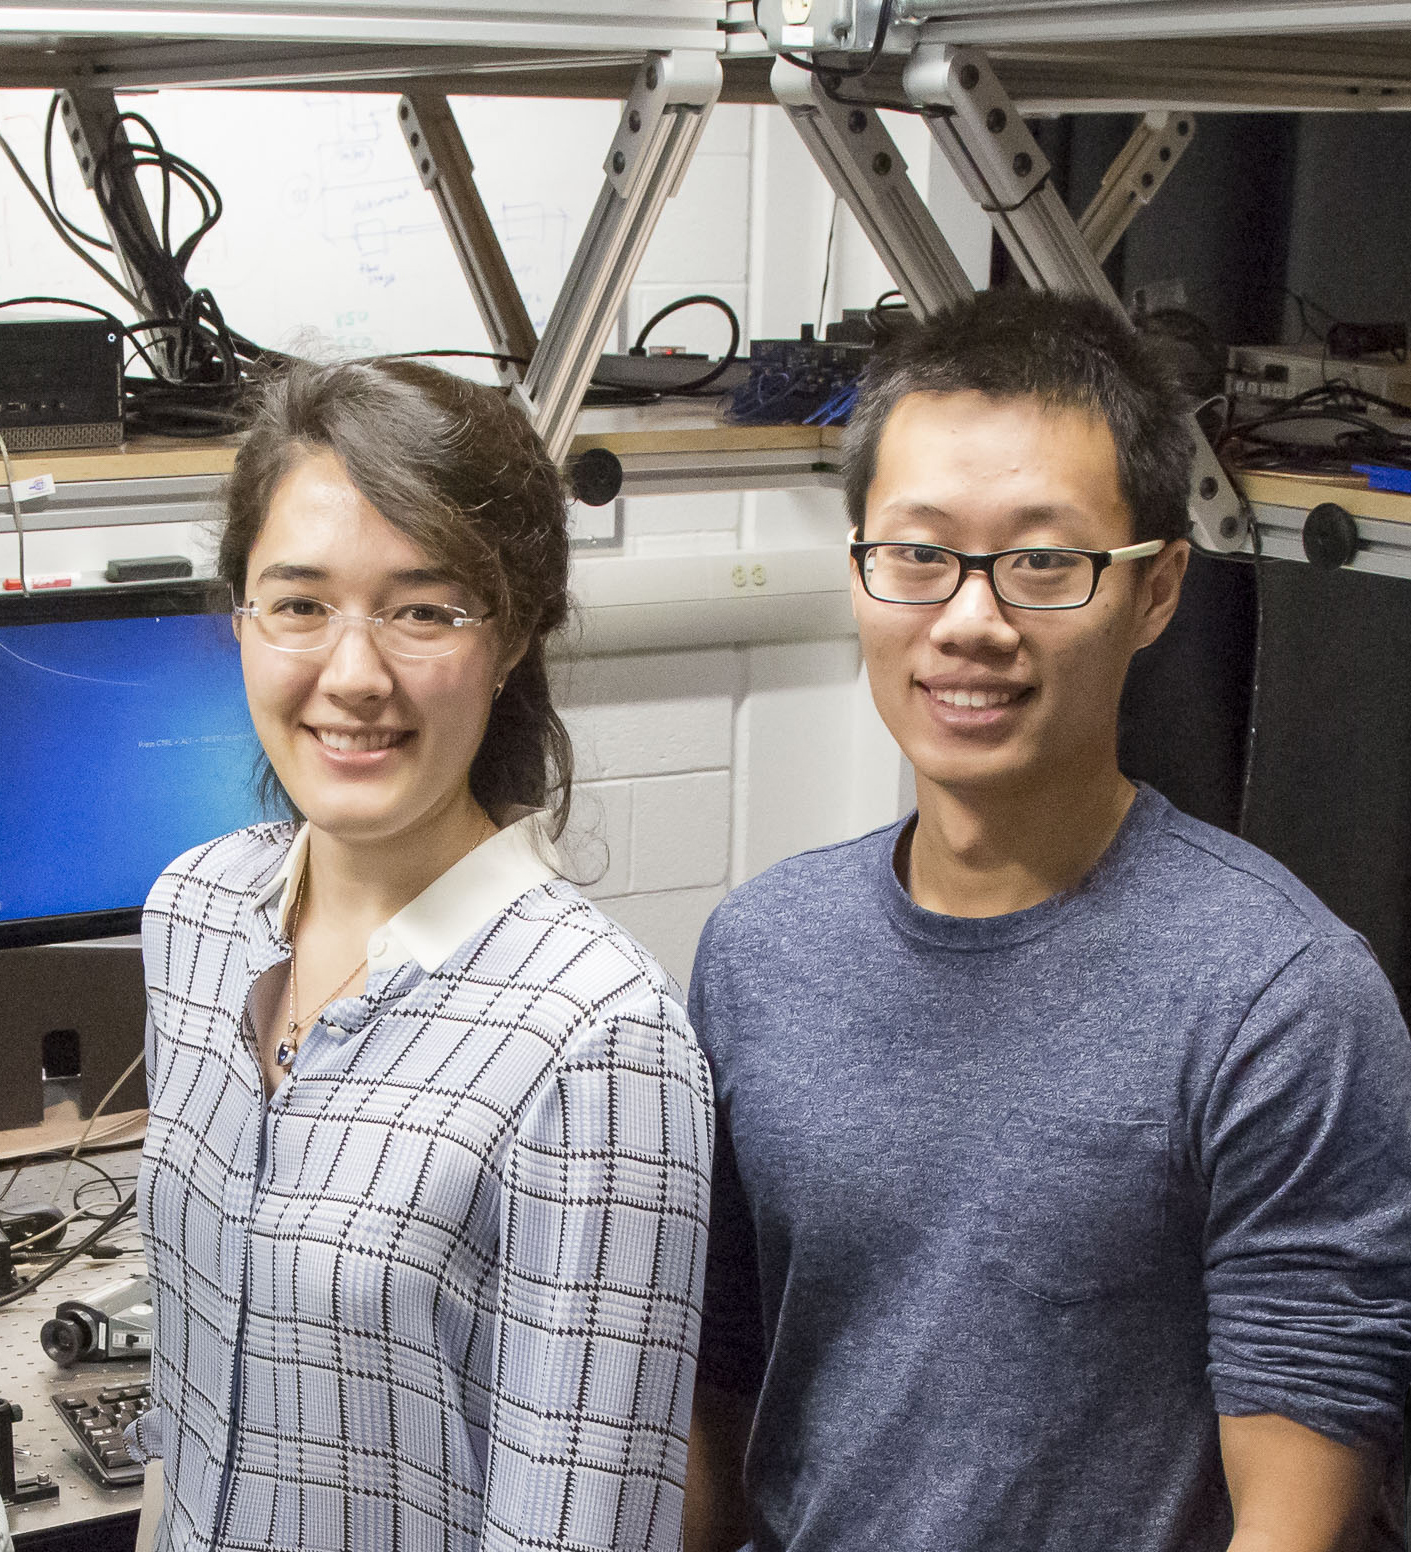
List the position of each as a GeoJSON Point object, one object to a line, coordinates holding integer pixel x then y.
{"type": "Point", "coordinates": [373, 746]}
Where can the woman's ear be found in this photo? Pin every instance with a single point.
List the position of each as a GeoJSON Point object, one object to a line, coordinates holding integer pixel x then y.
{"type": "Point", "coordinates": [510, 659]}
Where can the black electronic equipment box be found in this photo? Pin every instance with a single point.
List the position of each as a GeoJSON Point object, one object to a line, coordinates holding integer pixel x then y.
{"type": "Point", "coordinates": [60, 382]}
{"type": "Point", "coordinates": [76, 1013]}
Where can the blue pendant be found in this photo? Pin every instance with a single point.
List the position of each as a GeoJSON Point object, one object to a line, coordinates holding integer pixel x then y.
{"type": "Point", "coordinates": [284, 1054]}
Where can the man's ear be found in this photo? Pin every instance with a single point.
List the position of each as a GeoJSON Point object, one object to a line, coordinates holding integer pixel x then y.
{"type": "Point", "coordinates": [1161, 589]}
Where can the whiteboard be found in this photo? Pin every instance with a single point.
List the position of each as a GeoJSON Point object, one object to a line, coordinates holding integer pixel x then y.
{"type": "Point", "coordinates": [329, 244]}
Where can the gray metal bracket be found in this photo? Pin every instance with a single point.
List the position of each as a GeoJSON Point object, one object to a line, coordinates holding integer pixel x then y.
{"type": "Point", "coordinates": [444, 164]}
{"type": "Point", "coordinates": [91, 122]}
{"type": "Point", "coordinates": [868, 173]}
{"type": "Point", "coordinates": [661, 125]}
{"type": "Point", "coordinates": [1138, 171]}
{"type": "Point", "coordinates": [975, 122]}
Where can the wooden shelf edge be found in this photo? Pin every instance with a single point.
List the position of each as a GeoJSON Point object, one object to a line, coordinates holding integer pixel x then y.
{"type": "Point", "coordinates": [1306, 491]}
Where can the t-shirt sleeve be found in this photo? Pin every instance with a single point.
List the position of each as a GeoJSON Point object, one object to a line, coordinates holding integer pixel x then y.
{"type": "Point", "coordinates": [1306, 1146]}
{"type": "Point", "coordinates": [732, 1352]}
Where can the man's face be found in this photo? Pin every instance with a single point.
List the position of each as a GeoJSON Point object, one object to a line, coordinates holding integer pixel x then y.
{"type": "Point", "coordinates": [981, 695]}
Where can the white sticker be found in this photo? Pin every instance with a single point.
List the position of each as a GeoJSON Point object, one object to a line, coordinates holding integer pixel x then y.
{"type": "Point", "coordinates": [796, 11]}
{"type": "Point", "coordinates": [796, 37]}
{"type": "Point", "coordinates": [36, 486]}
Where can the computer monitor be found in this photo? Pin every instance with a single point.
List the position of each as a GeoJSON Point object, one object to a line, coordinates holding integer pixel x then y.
{"type": "Point", "coordinates": [124, 740]}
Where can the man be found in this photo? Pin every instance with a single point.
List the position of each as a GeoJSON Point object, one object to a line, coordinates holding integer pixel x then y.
{"type": "Point", "coordinates": [1063, 1173]}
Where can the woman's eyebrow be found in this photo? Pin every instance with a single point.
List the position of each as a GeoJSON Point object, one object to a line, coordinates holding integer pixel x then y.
{"type": "Point", "coordinates": [416, 575]}
{"type": "Point", "coordinates": [289, 571]}
{"type": "Point", "coordinates": [412, 576]}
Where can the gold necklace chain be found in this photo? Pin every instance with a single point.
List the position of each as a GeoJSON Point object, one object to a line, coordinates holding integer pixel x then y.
{"type": "Point", "coordinates": [284, 1051]}
{"type": "Point", "coordinates": [287, 1047]}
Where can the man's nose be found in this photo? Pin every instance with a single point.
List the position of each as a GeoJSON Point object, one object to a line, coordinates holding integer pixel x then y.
{"type": "Point", "coordinates": [974, 613]}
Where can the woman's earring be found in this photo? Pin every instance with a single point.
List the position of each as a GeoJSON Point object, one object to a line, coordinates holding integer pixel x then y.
{"type": "Point", "coordinates": [495, 695]}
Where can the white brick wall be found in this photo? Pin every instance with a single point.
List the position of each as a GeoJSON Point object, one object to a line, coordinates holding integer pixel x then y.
{"type": "Point", "coordinates": [699, 768]}
{"type": "Point", "coordinates": [654, 741]}
{"type": "Point", "coordinates": [650, 716]}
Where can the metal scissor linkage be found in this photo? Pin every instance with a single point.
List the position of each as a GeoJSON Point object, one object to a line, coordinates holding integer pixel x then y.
{"type": "Point", "coordinates": [975, 122]}
{"type": "Point", "coordinates": [1141, 167]}
{"type": "Point", "coordinates": [434, 139]}
{"type": "Point", "coordinates": [660, 127]}
{"type": "Point", "coordinates": [866, 170]}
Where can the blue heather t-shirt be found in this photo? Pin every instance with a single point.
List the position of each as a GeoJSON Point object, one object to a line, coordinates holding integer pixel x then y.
{"type": "Point", "coordinates": [1006, 1210]}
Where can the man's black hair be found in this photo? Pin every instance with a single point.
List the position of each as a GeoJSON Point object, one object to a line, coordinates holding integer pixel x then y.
{"type": "Point", "coordinates": [1069, 352]}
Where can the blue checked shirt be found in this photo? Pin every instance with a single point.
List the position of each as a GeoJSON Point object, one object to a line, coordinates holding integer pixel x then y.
{"type": "Point", "coordinates": [443, 1289]}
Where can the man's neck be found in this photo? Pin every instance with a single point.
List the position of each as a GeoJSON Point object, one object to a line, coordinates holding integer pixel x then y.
{"type": "Point", "coordinates": [989, 853]}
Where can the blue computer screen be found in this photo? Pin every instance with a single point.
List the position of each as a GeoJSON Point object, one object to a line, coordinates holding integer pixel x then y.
{"type": "Point", "coordinates": [122, 743]}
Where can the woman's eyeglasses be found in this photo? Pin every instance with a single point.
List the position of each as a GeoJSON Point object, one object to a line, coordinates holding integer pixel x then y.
{"type": "Point", "coordinates": [411, 630]}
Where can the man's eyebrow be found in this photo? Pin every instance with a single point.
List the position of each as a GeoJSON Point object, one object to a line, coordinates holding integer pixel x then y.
{"type": "Point", "coordinates": [1045, 513]}
{"type": "Point", "coordinates": [916, 509]}
{"type": "Point", "coordinates": [1019, 517]}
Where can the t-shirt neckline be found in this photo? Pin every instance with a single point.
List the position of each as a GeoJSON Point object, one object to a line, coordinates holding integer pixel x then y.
{"type": "Point", "coordinates": [978, 933]}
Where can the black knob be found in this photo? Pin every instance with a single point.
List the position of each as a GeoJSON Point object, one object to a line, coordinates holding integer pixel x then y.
{"type": "Point", "coordinates": [595, 477]}
{"type": "Point", "coordinates": [1330, 536]}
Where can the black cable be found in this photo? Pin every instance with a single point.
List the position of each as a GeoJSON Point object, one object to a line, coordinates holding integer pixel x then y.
{"type": "Point", "coordinates": [886, 317]}
{"type": "Point", "coordinates": [56, 1156]}
{"type": "Point", "coordinates": [482, 355]}
{"type": "Point", "coordinates": [1362, 439]}
{"type": "Point", "coordinates": [95, 1166]}
{"type": "Point", "coordinates": [598, 393]}
{"type": "Point", "coordinates": [73, 1252]}
{"type": "Point", "coordinates": [1302, 302]}
{"type": "Point", "coordinates": [58, 226]}
{"type": "Point", "coordinates": [828, 260]}
{"type": "Point", "coordinates": [700, 298]}
{"type": "Point", "coordinates": [199, 370]}
{"type": "Point", "coordinates": [62, 301]}
{"type": "Point", "coordinates": [163, 270]}
{"type": "Point", "coordinates": [1251, 736]}
{"type": "Point", "coordinates": [87, 1185]}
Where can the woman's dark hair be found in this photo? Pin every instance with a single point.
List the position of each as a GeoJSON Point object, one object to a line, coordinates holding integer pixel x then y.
{"type": "Point", "coordinates": [1069, 352]}
{"type": "Point", "coordinates": [453, 466]}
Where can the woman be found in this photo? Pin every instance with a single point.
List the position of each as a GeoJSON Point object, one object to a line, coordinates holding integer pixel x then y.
{"type": "Point", "coordinates": [425, 1185]}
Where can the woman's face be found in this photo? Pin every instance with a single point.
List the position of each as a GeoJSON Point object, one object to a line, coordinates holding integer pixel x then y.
{"type": "Point", "coordinates": [371, 746]}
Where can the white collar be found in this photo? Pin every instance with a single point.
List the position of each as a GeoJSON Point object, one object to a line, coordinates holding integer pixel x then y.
{"type": "Point", "coordinates": [453, 907]}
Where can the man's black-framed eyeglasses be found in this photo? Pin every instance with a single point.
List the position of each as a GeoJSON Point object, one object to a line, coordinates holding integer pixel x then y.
{"type": "Point", "coordinates": [896, 571]}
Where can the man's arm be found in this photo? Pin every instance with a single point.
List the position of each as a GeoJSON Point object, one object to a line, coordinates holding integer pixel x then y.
{"type": "Point", "coordinates": [715, 1519]}
{"type": "Point", "coordinates": [1305, 1140]}
{"type": "Point", "coordinates": [1293, 1489]}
